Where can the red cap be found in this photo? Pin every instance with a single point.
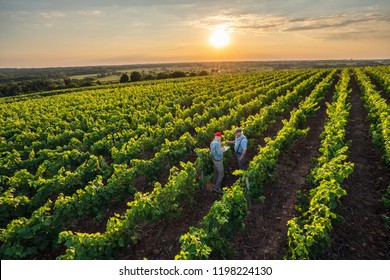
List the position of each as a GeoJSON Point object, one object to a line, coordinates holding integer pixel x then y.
{"type": "Point", "coordinates": [218, 134]}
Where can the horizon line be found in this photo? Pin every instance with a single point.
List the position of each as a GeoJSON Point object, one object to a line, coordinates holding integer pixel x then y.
{"type": "Point", "coordinates": [189, 62]}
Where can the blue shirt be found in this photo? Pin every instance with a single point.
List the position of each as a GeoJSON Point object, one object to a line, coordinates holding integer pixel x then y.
{"type": "Point", "coordinates": [240, 144]}
{"type": "Point", "coordinates": [215, 149]}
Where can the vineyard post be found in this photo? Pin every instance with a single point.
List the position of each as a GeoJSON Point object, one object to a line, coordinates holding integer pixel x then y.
{"type": "Point", "coordinates": [248, 190]}
{"type": "Point", "coordinates": [201, 178]}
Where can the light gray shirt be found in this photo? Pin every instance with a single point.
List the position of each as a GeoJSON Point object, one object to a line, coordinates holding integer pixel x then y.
{"type": "Point", "coordinates": [215, 149]}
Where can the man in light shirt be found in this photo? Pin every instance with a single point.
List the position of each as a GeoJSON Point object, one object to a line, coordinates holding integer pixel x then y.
{"type": "Point", "coordinates": [217, 155]}
{"type": "Point", "coordinates": [240, 146]}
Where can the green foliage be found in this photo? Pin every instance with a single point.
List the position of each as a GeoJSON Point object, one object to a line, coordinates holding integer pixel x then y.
{"type": "Point", "coordinates": [308, 234]}
{"type": "Point", "coordinates": [149, 207]}
{"type": "Point", "coordinates": [124, 78]}
{"type": "Point", "coordinates": [23, 237]}
{"type": "Point", "coordinates": [379, 116]}
{"type": "Point", "coordinates": [218, 226]}
{"type": "Point", "coordinates": [378, 113]}
{"type": "Point", "coordinates": [255, 124]}
{"type": "Point", "coordinates": [261, 167]}
{"type": "Point", "coordinates": [380, 75]}
{"type": "Point", "coordinates": [227, 215]}
{"type": "Point", "coordinates": [135, 76]}
{"type": "Point", "coordinates": [85, 150]}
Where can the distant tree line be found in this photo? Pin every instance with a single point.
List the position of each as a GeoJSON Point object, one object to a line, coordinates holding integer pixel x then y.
{"type": "Point", "coordinates": [30, 84]}
{"type": "Point", "coordinates": [136, 76]}
{"type": "Point", "coordinates": [38, 85]}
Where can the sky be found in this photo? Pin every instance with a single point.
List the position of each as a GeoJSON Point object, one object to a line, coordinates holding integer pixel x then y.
{"type": "Point", "coordinates": [46, 33]}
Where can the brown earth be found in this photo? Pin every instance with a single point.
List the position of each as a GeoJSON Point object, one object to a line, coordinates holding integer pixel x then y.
{"type": "Point", "coordinates": [380, 89]}
{"type": "Point", "coordinates": [161, 241]}
{"type": "Point", "coordinates": [361, 233]}
{"type": "Point", "coordinates": [266, 231]}
{"type": "Point", "coordinates": [164, 234]}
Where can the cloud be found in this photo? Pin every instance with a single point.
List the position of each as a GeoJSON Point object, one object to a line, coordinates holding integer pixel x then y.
{"type": "Point", "coordinates": [52, 14]}
{"type": "Point", "coordinates": [343, 35]}
{"type": "Point", "coordinates": [234, 23]}
{"type": "Point", "coordinates": [337, 26]}
{"type": "Point", "coordinates": [48, 18]}
{"type": "Point", "coordinates": [14, 14]}
{"type": "Point", "coordinates": [90, 12]}
{"type": "Point", "coordinates": [337, 21]}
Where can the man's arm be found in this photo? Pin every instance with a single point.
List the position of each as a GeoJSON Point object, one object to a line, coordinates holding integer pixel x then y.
{"type": "Point", "coordinates": [231, 142]}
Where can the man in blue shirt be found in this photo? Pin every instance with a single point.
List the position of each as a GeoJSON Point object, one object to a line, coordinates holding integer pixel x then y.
{"type": "Point", "coordinates": [240, 146]}
{"type": "Point", "coordinates": [217, 155]}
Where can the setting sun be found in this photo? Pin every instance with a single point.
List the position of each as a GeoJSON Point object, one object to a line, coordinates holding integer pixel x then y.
{"type": "Point", "coordinates": [219, 38]}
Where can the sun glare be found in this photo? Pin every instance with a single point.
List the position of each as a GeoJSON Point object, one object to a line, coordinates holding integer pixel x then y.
{"type": "Point", "coordinates": [219, 38]}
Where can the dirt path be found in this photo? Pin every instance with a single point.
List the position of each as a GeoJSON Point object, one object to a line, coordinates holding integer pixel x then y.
{"type": "Point", "coordinates": [265, 233]}
{"type": "Point", "coordinates": [362, 235]}
{"type": "Point", "coordinates": [380, 89]}
{"type": "Point", "coordinates": [160, 241]}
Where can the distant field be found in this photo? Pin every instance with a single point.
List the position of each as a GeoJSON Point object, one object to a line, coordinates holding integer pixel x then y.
{"type": "Point", "coordinates": [219, 68]}
{"type": "Point", "coordinates": [15, 82]}
{"type": "Point", "coordinates": [110, 78]}
{"type": "Point", "coordinates": [123, 171]}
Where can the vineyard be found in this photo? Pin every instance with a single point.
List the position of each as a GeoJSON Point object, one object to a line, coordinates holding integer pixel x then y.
{"type": "Point", "coordinates": [122, 172]}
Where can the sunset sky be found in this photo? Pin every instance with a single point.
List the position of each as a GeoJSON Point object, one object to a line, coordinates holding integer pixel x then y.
{"type": "Point", "coordinates": [43, 33]}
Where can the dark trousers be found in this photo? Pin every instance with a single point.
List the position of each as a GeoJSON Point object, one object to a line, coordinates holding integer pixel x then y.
{"type": "Point", "coordinates": [240, 162]}
{"type": "Point", "coordinates": [218, 173]}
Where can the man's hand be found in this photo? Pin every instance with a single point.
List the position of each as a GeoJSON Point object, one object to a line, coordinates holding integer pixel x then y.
{"type": "Point", "coordinates": [223, 149]}
{"type": "Point", "coordinates": [230, 142]}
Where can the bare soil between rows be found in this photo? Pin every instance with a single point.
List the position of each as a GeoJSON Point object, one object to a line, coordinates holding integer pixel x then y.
{"type": "Point", "coordinates": [360, 233]}
{"type": "Point", "coordinates": [265, 234]}
{"type": "Point", "coordinates": [161, 240]}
